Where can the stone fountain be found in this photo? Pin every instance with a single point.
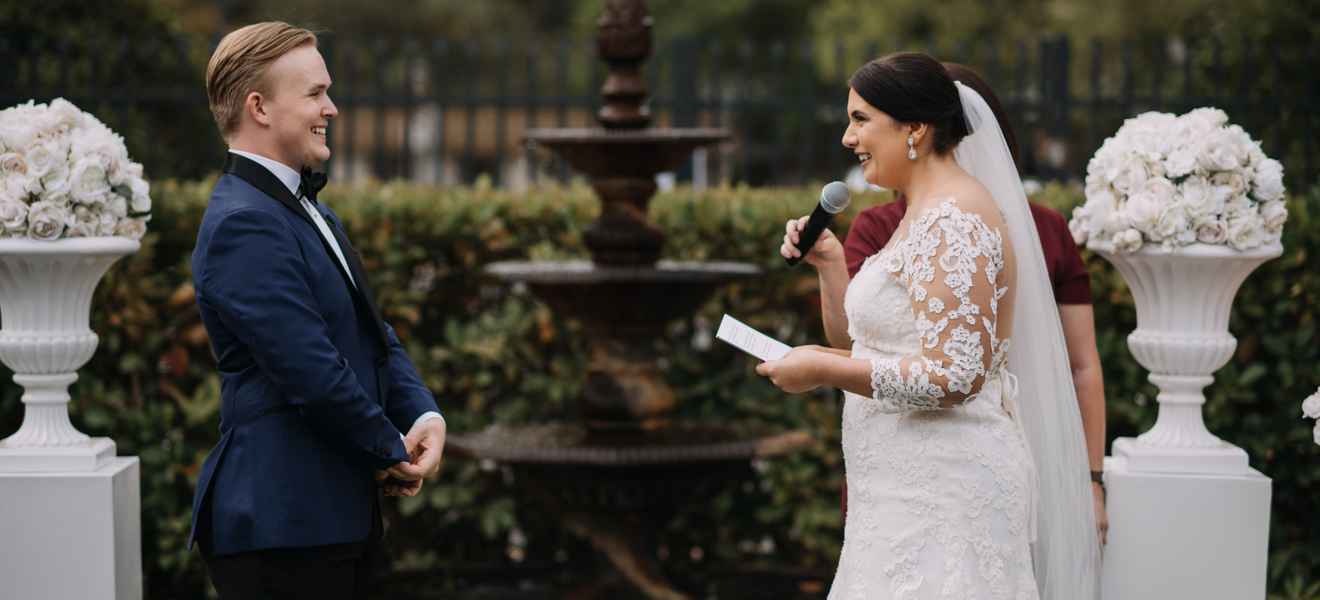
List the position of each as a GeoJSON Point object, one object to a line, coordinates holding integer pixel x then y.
{"type": "Point", "coordinates": [618, 471]}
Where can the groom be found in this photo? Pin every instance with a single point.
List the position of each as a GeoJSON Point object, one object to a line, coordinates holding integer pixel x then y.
{"type": "Point", "coordinates": [316, 389]}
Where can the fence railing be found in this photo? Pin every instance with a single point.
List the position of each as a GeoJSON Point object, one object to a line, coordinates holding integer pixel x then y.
{"type": "Point", "coordinates": [451, 111]}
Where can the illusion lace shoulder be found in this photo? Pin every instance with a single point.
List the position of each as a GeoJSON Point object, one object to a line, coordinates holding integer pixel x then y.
{"type": "Point", "coordinates": [940, 479]}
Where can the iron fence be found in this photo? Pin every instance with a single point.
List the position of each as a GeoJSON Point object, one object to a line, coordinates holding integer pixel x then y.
{"type": "Point", "coordinates": [450, 112]}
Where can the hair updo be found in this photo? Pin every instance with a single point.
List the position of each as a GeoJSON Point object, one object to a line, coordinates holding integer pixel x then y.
{"type": "Point", "coordinates": [912, 87]}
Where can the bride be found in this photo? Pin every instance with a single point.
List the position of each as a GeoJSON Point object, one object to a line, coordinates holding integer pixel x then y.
{"type": "Point", "coordinates": [967, 473]}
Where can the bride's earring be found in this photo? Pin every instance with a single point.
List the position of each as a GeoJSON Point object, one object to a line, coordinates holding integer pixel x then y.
{"type": "Point", "coordinates": [912, 150]}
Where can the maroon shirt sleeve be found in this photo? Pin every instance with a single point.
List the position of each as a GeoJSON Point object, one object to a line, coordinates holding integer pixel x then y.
{"type": "Point", "coordinates": [870, 232]}
{"type": "Point", "coordinates": [1068, 274]}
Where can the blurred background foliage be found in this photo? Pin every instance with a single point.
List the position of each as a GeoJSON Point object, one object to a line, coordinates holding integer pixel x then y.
{"type": "Point", "coordinates": [493, 354]}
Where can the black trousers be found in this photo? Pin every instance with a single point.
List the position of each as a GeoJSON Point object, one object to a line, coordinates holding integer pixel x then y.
{"type": "Point", "coordinates": [338, 572]}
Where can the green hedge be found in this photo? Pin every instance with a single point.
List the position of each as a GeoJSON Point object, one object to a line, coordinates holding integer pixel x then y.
{"type": "Point", "coordinates": [492, 353]}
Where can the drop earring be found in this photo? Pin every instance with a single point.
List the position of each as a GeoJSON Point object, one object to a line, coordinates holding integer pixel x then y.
{"type": "Point", "coordinates": [912, 150]}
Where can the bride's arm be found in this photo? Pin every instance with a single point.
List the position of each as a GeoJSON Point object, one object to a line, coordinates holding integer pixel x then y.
{"type": "Point", "coordinates": [952, 282]}
{"type": "Point", "coordinates": [828, 259]}
{"type": "Point", "coordinates": [833, 285]}
{"type": "Point", "coordinates": [952, 288]}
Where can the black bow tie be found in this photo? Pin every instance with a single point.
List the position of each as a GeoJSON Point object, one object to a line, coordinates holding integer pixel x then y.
{"type": "Point", "coordinates": [311, 183]}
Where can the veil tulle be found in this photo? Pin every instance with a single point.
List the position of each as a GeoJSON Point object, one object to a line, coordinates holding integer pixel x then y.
{"type": "Point", "coordinates": [1066, 553]}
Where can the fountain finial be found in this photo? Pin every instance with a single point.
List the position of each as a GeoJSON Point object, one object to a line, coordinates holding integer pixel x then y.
{"type": "Point", "coordinates": [624, 42]}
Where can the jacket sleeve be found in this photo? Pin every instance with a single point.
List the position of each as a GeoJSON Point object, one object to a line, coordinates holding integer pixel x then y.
{"type": "Point", "coordinates": [409, 398]}
{"type": "Point", "coordinates": [255, 278]}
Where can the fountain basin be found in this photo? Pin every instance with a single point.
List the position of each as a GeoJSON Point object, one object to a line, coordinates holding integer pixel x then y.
{"type": "Point", "coordinates": [623, 300]}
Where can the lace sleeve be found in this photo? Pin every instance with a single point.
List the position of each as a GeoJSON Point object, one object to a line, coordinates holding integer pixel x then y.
{"type": "Point", "coordinates": [952, 263]}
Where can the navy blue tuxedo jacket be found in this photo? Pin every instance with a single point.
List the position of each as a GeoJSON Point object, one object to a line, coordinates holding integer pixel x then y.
{"type": "Point", "coordinates": [315, 386]}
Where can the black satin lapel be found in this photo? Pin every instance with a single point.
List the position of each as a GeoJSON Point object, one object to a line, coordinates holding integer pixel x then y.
{"type": "Point", "coordinates": [360, 277]}
{"type": "Point", "coordinates": [261, 178]}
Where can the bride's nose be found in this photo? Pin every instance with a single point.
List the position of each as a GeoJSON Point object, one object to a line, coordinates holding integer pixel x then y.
{"type": "Point", "coordinates": [849, 138]}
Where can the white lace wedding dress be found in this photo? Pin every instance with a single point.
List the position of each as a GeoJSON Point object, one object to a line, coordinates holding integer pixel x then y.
{"type": "Point", "coordinates": [940, 478]}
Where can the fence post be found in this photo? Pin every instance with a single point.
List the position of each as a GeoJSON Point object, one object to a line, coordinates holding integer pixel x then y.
{"type": "Point", "coordinates": [1056, 99]}
{"type": "Point", "coordinates": [1058, 78]}
{"type": "Point", "coordinates": [683, 79]}
{"type": "Point", "coordinates": [683, 86]}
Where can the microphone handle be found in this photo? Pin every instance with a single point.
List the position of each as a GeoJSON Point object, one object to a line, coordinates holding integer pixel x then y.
{"type": "Point", "coordinates": [819, 220]}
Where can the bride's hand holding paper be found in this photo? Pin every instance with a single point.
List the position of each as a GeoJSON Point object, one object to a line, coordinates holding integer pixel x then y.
{"type": "Point", "coordinates": [798, 371]}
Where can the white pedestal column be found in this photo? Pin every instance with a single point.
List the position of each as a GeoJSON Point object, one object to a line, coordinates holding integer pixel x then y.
{"type": "Point", "coordinates": [72, 534]}
{"type": "Point", "coordinates": [1183, 297]}
{"type": "Point", "coordinates": [1185, 536]}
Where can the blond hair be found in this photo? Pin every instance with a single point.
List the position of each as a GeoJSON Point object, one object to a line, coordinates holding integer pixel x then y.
{"type": "Point", "coordinates": [238, 67]}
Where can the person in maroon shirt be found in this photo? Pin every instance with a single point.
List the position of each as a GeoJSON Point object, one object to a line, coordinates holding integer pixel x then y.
{"type": "Point", "coordinates": [874, 226]}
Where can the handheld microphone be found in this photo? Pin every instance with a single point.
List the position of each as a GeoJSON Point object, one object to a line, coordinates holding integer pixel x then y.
{"type": "Point", "coordinates": [833, 199]}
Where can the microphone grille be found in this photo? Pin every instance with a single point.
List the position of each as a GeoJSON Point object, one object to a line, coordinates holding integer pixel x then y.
{"type": "Point", "coordinates": [834, 197]}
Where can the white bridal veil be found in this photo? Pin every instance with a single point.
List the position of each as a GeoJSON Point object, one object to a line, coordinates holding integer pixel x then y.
{"type": "Point", "coordinates": [1066, 553]}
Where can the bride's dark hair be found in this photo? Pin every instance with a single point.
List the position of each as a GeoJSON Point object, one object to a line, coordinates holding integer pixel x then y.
{"type": "Point", "coordinates": [912, 87]}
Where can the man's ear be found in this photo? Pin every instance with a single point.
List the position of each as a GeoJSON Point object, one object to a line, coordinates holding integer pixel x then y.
{"type": "Point", "coordinates": [255, 106]}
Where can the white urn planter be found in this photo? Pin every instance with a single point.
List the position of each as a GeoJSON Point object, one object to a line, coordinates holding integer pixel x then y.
{"type": "Point", "coordinates": [1183, 299]}
{"type": "Point", "coordinates": [45, 299]}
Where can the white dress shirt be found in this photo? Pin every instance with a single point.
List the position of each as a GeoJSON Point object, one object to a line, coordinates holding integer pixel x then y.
{"type": "Point", "coordinates": [292, 180]}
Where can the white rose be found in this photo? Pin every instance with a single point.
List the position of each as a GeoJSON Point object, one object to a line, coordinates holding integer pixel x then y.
{"type": "Point", "coordinates": [1246, 232]}
{"type": "Point", "coordinates": [13, 218]}
{"type": "Point", "coordinates": [124, 172]}
{"type": "Point", "coordinates": [1212, 232]}
{"type": "Point", "coordinates": [1173, 222]}
{"type": "Point", "coordinates": [1232, 180]}
{"type": "Point", "coordinates": [1221, 152]}
{"type": "Point", "coordinates": [1078, 228]}
{"type": "Point", "coordinates": [1311, 406]}
{"type": "Point", "coordinates": [96, 140]}
{"type": "Point", "coordinates": [1128, 240]}
{"type": "Point", "coordinates": [42, 158]}
{"type": "Point", "coordinates": [1144, 207]}
{"type": "Point", "coordinates": [1181, 161]}
{"type": "Point", "coordinates": [1102, 214]}
{"type": "Point", "coordinates": [82, 222]}
{"type": "Point", "coordinates": [88, 181]}
{"type": "Point", "coordinates": [1274, 214]}
{"type": "Point", "coordinates": [117, 206]}
{"type": "Point", "coordinates": [1239, 207]}
{"type": "Point", "coordinates": [1199, 197]}
{"type": "Point", "coordinates": [1128, 175]}
{"type": "Point", "coordinates": [57, 177]}
{"type": "Point", "coordinates": [1242, 142]}
{"type": "Point", "coordinates": [141, 195]}
{"type": "Point", "coordinates": [1315, 433]}
{"type": "Point", "coordinates": [46, 221]}
{"type": "Point", "coordinates": [20, 186]}
{"type": "Point", "coordinates": [1205, 118]}
{"type": "Point", "coordinates": [106, 223]}
{"type": "Point", "coordinates": [132, 228]}
{"type": "Point", "coordinates": [13, 163]}
{"type": "Point", "coordinates": [1255, 155]}
{"type": "Point", "coordinates": [65, 114]}
{"type": "Point", "coordinates": [57, 191]}
{"type": "Point", "coordinates": [1267, 180]}
{"type": "Point", "coordinates": [17, 133]}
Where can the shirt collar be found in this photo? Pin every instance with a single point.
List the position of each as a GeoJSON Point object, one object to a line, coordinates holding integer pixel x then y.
{"type": "Point", "coordinates": [286, 174]}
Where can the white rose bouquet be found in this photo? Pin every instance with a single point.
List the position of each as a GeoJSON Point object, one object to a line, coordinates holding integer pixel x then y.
{"type": "Point", "coordinates": [1178, 180]}
{"type": "Point", "coordinates": [63, 173]}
